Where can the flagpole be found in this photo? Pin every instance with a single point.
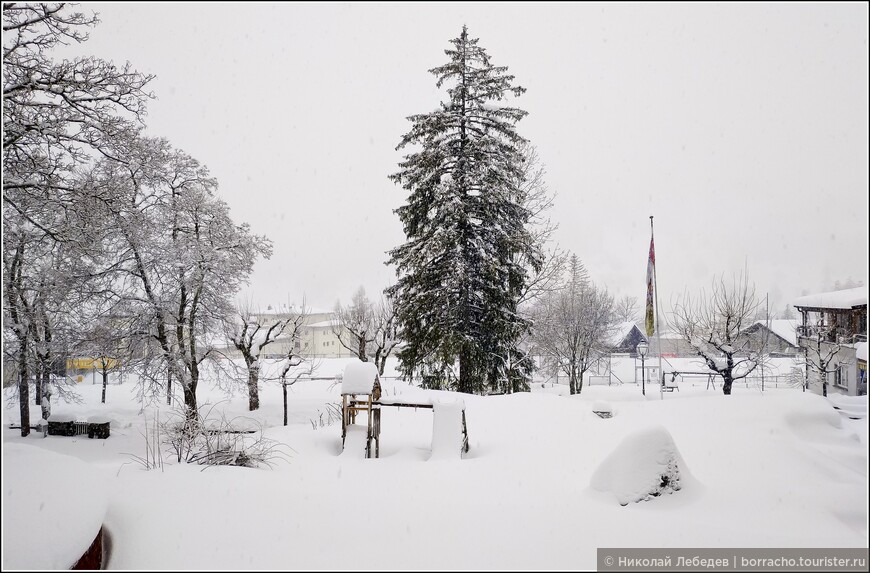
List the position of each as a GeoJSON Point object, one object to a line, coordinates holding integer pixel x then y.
{"type": "Point", "coordinates": [658, 330]}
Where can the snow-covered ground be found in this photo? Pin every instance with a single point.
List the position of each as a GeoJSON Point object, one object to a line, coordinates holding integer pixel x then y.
{"type": "Point", "coordinates": [779, 469]}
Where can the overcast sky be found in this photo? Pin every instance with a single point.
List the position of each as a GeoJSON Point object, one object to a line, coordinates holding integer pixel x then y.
{"type": "Point", "coordinates": [743, 128]}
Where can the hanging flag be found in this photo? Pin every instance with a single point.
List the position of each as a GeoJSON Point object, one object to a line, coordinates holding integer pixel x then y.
{"type": "Point", "coordinates": [650, 279]}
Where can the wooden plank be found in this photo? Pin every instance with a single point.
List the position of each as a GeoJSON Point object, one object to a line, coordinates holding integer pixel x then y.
{"type": "Point", "coordinates": [404, 405]}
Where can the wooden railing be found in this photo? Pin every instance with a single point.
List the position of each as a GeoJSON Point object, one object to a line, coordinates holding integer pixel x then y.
{"type": "Point", "coordinates": [830, 334]}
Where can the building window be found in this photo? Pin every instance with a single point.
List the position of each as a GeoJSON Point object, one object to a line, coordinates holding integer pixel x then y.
{"type": "Point", "coordinates": [861, 386]}
{"type": "Point", "coordinates": [841, 377]}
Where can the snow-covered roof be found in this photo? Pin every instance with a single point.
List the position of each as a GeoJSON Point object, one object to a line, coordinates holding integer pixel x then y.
{"type": "Point", "coordinates": [861, 351]}
{"type": "Point", "coordinates": [325, 324]}
{"type": "Point", "coordinates": [845, 299]}
{"type": "Point", "coordinates": [784, 328]}
{"type": "Point", "coordinates": [359, 378]}
{"type": "Point", "coordinates": [620, 332]}
{"type": "Point", "coordinates": [283, 309]}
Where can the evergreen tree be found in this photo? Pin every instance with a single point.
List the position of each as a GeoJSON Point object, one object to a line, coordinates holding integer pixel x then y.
{"type": "Point", "coordinates": [459, 276]}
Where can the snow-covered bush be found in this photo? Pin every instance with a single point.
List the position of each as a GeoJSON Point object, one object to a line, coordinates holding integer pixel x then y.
{"type": "Point", "coordinates": [646, 464]}
{"type": "Point", "coordinates": [210, 439]}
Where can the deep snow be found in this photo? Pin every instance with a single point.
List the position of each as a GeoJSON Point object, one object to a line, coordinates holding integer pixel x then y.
{"type": "Point", "coordinates": [778, 469]}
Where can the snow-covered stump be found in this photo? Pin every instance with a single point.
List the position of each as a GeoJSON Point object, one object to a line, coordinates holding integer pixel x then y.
{"type": "Point", "coordinates": [447, 442]}
{"type": "Point", "coordinates": [646, 464]}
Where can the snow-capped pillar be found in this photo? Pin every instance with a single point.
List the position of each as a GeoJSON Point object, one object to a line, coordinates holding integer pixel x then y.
{"type": "Point", "coordinates": [447, 430]}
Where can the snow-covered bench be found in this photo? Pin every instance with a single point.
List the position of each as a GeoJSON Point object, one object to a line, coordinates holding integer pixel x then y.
{"type": "Point", "coordinates": [670, 385]}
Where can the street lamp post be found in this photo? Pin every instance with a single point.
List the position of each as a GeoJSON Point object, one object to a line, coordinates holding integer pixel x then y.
{"type": "Point", "coordinates": [642, 349]}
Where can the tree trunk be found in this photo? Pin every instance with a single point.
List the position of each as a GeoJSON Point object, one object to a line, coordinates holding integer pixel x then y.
{"type": "Point", "coordinates": [190, 401]}
{"type": "Point", "coordinates": [105, 383]}
{"type": "Point", "coordinates": [46, 402]}
{"type": "Point", "coordinates": [726, 384]}
{"type": "Point", "coordinates": [361, 348]}
{"type": "Point", "coordinates": [284, 388]}
{"type": "Point", "coordinates": [169, 388]}
{"type": "Point", "coordinates": [38, 389]}
{"type": "Point", "coordinates": [253, 389]}
{"type": "Point", "coordinates": [580, 383]}
{"type": "Point", "coordinates": [465, 372]}
{"type": "Point", "coordinates": [43, 384]}
{"type": "Point", "coordinates": [23, 389]}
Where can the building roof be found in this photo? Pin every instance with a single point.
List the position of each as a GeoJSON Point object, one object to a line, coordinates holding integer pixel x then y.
{"type": "Point", "coordinates": [292, 309]}
{"type": "Point", "coordinates": [359, 377]}
{"type": "Point", "coordinates": [621, 331]}
{"type": "Point", "coordinates": [840, 299]}
{"type": "Point", "coordinates": [325, 324]}
{"type": "Point", "coordinates": [783, 328]}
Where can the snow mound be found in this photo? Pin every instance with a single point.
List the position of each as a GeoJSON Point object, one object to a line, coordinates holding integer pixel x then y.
{"type": "Point", "coordinates": [359, 378]}
{"type": "Point", "coordinates": [816, 424]}
{"type": "Point", "coordinates": [646, 464]}
{"type": "Point", "coordinates": [58, 504]}
{"type": "Point", "coordinates": [851, 406]}
{"type": "Point", "coordinates": [602, 408]}
{"type": "Point", "coordinates": [447, 430]}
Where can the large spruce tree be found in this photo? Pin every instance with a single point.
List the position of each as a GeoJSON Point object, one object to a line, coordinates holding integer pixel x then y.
{"type": "Point", "coordinates": [458, 276]}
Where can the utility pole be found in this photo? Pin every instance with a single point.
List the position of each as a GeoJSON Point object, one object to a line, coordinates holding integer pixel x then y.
{"type": "Point", "coordinates": [766, 337]}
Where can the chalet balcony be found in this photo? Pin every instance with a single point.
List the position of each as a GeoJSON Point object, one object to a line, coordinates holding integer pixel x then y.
{"type": "Point", "coordinates": [831, 335]}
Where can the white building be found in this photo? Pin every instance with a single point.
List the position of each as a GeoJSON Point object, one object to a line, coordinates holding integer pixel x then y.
{"type": "Point", "coordinates": [318, 337]}
{"type": "Point", "coordinates": [835, 323]}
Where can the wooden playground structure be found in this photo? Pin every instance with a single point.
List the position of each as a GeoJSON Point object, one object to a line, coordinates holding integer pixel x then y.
{"type": "Point", "coordinates": [361, 393]}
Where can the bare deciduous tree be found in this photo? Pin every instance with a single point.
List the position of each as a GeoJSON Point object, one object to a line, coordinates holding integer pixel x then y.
{"type": "Point", "coordinates": [573, 325]}
{"type": "Point", "coordinates": [537, 198]}
{"type": "Point", "coordinates": [627, 309]}
{"type": "Point", "coordinates": [366, 328]}
{"type": "Point", "coordinates": [354, 325]}
{"type": "Point", "coordinates": [298, 361]}
{"type": "Point", "coordinates": [386, 337]}
{"type": "Point", "coordinates": [712, 324]}
{"type": "Point", "coordinates": [56, 116]}
{"type": "Point", "coordinates": [108, 340]}
{"type": "Point", "coordinates": [180, 253]}
{"type": "Point", "coordinates": [821, 356]}
{"type": "Point", "coordinates": [250, 334]}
